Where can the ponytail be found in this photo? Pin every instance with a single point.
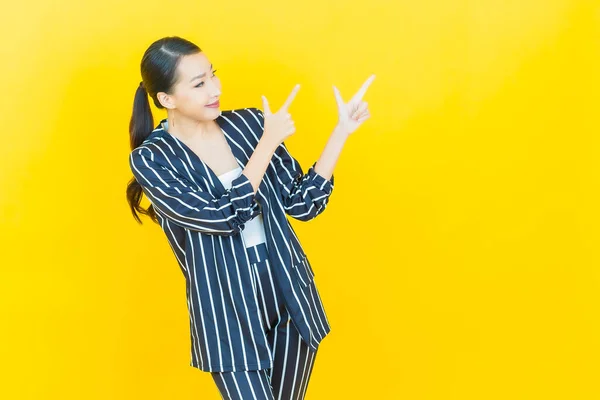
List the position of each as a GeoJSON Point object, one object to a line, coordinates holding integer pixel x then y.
{"type": "Point", "coordinates": [140, 127]}
{"type": "Point", "coordinates": [159, 74]}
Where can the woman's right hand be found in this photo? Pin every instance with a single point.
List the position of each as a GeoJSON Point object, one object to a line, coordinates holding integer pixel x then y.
{"type": "Point", "coordinates": [279, 125]}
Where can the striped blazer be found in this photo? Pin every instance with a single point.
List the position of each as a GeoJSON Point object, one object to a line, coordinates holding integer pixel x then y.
{"type": "Point", "coordinates": [203, 222]}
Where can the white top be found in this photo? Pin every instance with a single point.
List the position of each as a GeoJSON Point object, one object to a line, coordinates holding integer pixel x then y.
{"type": "Point", "coordinates": [254, 230]}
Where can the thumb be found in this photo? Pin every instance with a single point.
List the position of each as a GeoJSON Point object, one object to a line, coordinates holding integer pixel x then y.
{"type": "Point", "coordinates": [338, 99]}
{"type": "Point", "coordinates": [266, 109]}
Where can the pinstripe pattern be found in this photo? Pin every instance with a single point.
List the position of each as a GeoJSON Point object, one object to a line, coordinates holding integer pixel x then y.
{"type": "Point", "coordinates": [293, 359]}
{"type": "Point", "coordinates": [202, 221]}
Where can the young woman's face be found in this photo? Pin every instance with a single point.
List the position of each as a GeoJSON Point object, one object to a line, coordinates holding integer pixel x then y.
{"type": "Point", "coordinates": [197, 91]}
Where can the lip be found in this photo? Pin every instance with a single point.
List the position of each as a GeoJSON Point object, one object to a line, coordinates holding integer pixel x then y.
{"type": "Point", "coordinates": [213, 105]}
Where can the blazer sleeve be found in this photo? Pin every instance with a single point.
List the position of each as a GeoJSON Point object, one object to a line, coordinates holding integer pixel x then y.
{"type": "Point", "coordinates": [304, 195]}
{"type": "Point", "coordinates": [176, 198]}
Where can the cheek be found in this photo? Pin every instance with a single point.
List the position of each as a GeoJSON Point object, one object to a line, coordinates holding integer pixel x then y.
{"type": "Point", "coordinates": [196, 98]}
{"type": "Point", "coordinates": [191, 103]}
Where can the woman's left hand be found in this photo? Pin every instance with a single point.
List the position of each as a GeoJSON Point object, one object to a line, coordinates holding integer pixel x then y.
{"type": "Point", "coordinates": [352, 114]}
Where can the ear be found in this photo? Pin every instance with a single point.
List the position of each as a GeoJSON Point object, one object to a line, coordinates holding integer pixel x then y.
{"type": "Point", "coordinates": [165, 100]}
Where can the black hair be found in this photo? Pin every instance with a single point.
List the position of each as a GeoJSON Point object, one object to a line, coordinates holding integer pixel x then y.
{"type": "Point", "coordinates": [158, 68]}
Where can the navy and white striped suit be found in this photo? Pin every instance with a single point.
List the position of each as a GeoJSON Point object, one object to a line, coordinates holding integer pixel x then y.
{"type": "Point", "coordinates": [203, 221]}
{"type": "Point", "coordinates": [293, 359]}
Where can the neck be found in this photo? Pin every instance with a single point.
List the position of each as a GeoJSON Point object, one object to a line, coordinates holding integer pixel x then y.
{"type": "Point", "coordinates": [188, 129]}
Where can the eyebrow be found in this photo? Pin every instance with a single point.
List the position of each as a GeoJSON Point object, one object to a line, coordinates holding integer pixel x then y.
{"type": "Point", "coordinates": [201, 75]}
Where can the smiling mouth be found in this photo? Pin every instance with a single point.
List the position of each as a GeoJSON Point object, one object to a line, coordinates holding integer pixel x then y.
{"type": "Point", "coordinates": [215, 104]}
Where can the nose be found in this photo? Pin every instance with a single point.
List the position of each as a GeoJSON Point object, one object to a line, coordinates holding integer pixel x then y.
{"type": "Point", "coordinates": [215, 89]}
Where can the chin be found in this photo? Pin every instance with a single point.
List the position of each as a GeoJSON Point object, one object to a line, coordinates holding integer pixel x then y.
{"type": "Point", "coordinates": [212, 114]}
{"type": "Point", "coordinates": [215, 113]}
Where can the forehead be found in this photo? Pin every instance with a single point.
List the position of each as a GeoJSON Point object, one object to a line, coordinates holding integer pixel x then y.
{"type": "Point", "coordinates": [192, 65]}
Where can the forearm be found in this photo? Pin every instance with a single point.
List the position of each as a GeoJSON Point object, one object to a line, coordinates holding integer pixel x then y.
{"type": "Point", "coordinates": [259, 161]}
{"type": "Point", "coordinates": [331, 153]}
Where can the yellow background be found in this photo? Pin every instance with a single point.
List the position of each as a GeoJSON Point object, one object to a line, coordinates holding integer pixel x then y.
{"type": "Point", "coordinates": [459, 255]}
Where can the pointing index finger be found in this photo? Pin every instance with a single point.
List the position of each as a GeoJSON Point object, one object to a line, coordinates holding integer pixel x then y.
{"type": "Point", "coordinates": [290, 98]}
{"type": "Point", "coordinates": [363, 89]}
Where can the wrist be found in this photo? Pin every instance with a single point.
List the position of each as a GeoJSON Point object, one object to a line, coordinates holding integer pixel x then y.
{"type": "Point", "coordinates": [267, 142]}
{"type": "Point", "coordinates": [340, 132]}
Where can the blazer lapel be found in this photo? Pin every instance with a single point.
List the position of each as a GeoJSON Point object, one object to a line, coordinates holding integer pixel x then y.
{"type": "Point", "coordinates": [235, 140]}
{"type": "Point", "coordinates": [196, 167]}
{"type": "Point", "coordinates": [201, 171]}
{"type": "Point", "coordinates": [242, 152]}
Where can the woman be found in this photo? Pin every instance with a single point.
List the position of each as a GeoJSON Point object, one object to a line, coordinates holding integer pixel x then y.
{"type": "Point", "coordinates": [220, 185]}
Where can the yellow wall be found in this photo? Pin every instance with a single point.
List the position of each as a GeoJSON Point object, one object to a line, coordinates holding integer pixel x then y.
{"type": "Point", "coordinates": [458, 258]}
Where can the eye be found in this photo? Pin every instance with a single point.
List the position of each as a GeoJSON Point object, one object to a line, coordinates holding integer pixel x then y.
{"type": "Point", "coordinates": [202, 83]}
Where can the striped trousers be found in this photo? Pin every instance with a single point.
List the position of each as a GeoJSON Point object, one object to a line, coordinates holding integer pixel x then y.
{"type": "Point", "coordinates": [293, 360]}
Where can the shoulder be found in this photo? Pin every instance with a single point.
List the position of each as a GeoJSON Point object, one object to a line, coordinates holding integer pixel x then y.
{"type": "Point", "coordinates": [152, 150]}
{"type": "Point", "coordinates": [250, 119]}
{"type": "Point", "coordinates": [245, 113]}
